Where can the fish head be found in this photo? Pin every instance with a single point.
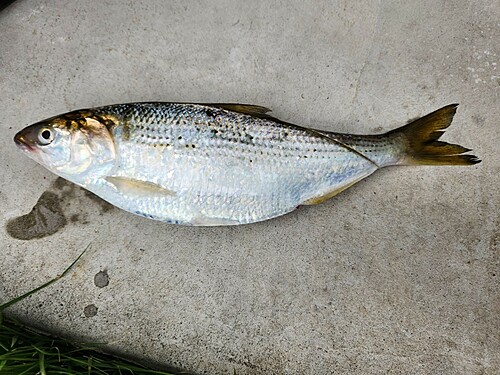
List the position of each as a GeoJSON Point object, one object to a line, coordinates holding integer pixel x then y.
{"type": "Point", "coordinates": [77, 146]}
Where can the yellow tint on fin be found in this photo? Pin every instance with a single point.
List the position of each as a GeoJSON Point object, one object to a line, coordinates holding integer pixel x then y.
{"type": "Point", "coordinates": [330, 194]}
{"type": "Point", "coordinates": [420, 139]}
{"type": "Point", "coordinates": [206, 221]}
{"type": "Point", "coordinates": [138, 188]}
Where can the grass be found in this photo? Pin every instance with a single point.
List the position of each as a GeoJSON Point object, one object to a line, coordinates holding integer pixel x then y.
{"type": "Point", "coordinates": [23, 351]}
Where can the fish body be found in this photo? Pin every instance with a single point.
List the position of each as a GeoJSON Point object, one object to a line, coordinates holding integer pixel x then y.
{"type": "Point", "coordinates": [220, 164]}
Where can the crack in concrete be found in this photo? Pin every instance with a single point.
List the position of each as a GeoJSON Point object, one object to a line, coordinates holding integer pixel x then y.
{"type": "Point", "coordinates": [369, 54]}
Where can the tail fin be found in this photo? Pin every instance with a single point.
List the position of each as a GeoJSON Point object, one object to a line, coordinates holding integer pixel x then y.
{"type": "Point", "coordinates": [422, 145]}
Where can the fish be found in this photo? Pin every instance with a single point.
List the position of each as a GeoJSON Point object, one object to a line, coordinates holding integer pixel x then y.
{"type": "Point", "coordinates": [222, 164]}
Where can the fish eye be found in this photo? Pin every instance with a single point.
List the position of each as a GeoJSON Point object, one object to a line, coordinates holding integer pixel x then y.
{"type": "Point", "coordinates": [45, 136]}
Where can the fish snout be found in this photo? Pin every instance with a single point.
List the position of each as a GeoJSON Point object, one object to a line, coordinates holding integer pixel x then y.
{"type": "Point", "coordinates": [23, 140]}
{"type": "Point", "coordinates": [20, 139]}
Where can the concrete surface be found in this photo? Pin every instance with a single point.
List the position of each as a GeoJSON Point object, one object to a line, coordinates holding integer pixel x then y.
{"type": "Point", "coordinates": [399, 274]}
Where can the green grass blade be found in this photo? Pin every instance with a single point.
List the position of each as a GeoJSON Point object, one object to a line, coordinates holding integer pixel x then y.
{"type": "Point", "coordinates": [28, 370]}
{"type": "Point", "coordinates": [89, 364]}
{"type": "Point", "coordinates": [17, 299]}
{"type": "Point", "coordinates": [42, 364]}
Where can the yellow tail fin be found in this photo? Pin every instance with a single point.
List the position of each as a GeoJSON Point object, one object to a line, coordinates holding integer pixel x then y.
{"type": "Point", "coordinates": [421, 141]}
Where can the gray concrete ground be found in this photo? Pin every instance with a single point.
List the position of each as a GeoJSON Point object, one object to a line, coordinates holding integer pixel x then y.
{"type": "Point", "coordinates": [399, 274]}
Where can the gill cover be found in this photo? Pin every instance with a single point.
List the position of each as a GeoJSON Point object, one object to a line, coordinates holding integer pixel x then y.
{"type": "Point", "coordinates": [92, 153]}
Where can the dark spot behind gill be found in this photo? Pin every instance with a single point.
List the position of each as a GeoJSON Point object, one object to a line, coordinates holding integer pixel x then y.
{"type": "Point", "coordinates": [125, 130]}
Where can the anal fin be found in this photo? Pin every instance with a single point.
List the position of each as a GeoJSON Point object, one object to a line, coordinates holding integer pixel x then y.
{"type": "Point", "coordinates": [206, 221]}
{"type": "Point", "coordinates": [330, 194]}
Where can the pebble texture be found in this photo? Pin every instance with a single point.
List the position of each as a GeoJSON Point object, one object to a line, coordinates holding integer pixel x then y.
{"type": "Point", "coordinates": [398, 274]}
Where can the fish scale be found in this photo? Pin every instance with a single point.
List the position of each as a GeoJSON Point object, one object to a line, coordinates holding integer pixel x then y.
{"type": "Point", "coordinates": [221, 164]}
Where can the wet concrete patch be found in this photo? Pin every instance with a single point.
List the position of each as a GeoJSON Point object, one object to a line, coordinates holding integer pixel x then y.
{"type": "Point", "coordinates": [105, 206]}
{"type": "Point", "coordinates": [62, 203]}
{"type": "Point", "coordinates": [101, 279]}
{"type": "Point", "coordinates": [45, 219]}
{"type": "Point", "coordinates": [90, 310]}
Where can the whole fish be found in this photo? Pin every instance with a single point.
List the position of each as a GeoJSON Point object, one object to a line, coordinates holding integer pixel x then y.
{"type": "Point", "coordinates": [221, 164]}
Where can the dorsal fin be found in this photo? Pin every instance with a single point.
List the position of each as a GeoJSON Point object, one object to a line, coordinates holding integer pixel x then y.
{"type": "Point", "coordinates": [246, 109]}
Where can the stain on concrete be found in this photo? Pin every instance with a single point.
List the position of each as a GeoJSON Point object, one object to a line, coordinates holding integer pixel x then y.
{"type": "Point", "coordinates": [61, 203]}
{"type": "Point", "coordinates": [60, 183]}
{"type": "Point", "coordinates": [105, 206]}
{"type": "Point", "coordinates": [101, 279]}
{"type": "Point", "coordinates": [45, 219]}
{"type": "Point", "coordinates": [90, 310]}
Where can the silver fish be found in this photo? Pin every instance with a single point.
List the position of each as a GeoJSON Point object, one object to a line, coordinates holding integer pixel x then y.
{"type": "Point", "coordinates": [221, 164]}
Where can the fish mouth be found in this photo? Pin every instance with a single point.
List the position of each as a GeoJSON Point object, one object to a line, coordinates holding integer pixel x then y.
{"type": "Point", "coordinates": [21, 141]}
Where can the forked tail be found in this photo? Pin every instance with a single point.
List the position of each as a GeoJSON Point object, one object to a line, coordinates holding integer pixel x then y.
{"type": "Point", "coordinates": [421, 145]}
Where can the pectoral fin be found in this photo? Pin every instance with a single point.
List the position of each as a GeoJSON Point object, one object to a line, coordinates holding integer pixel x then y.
{"type": "Point", "coordinates": [138, 188]}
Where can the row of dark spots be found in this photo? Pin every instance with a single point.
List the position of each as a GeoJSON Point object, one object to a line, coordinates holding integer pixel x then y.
{"type": "Point", "coordinates": [273, 154]}
{"type": "Point", "coordinates": [154, 138]}
{"type": "Point", "coordinates": [144, 140]}
{"type": "Point", "coordinates": [314, 150]}
{"type": "Point", "coordinates": [168, 145]}
{"type": "Point", "coordinates": [187, 145]}
{"type": "Point", "coordinates": [372, 145]}
{"type": "Point", "coordinates": [144, 127]}
{"type": "Point", "coordinates": [232, 136]}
